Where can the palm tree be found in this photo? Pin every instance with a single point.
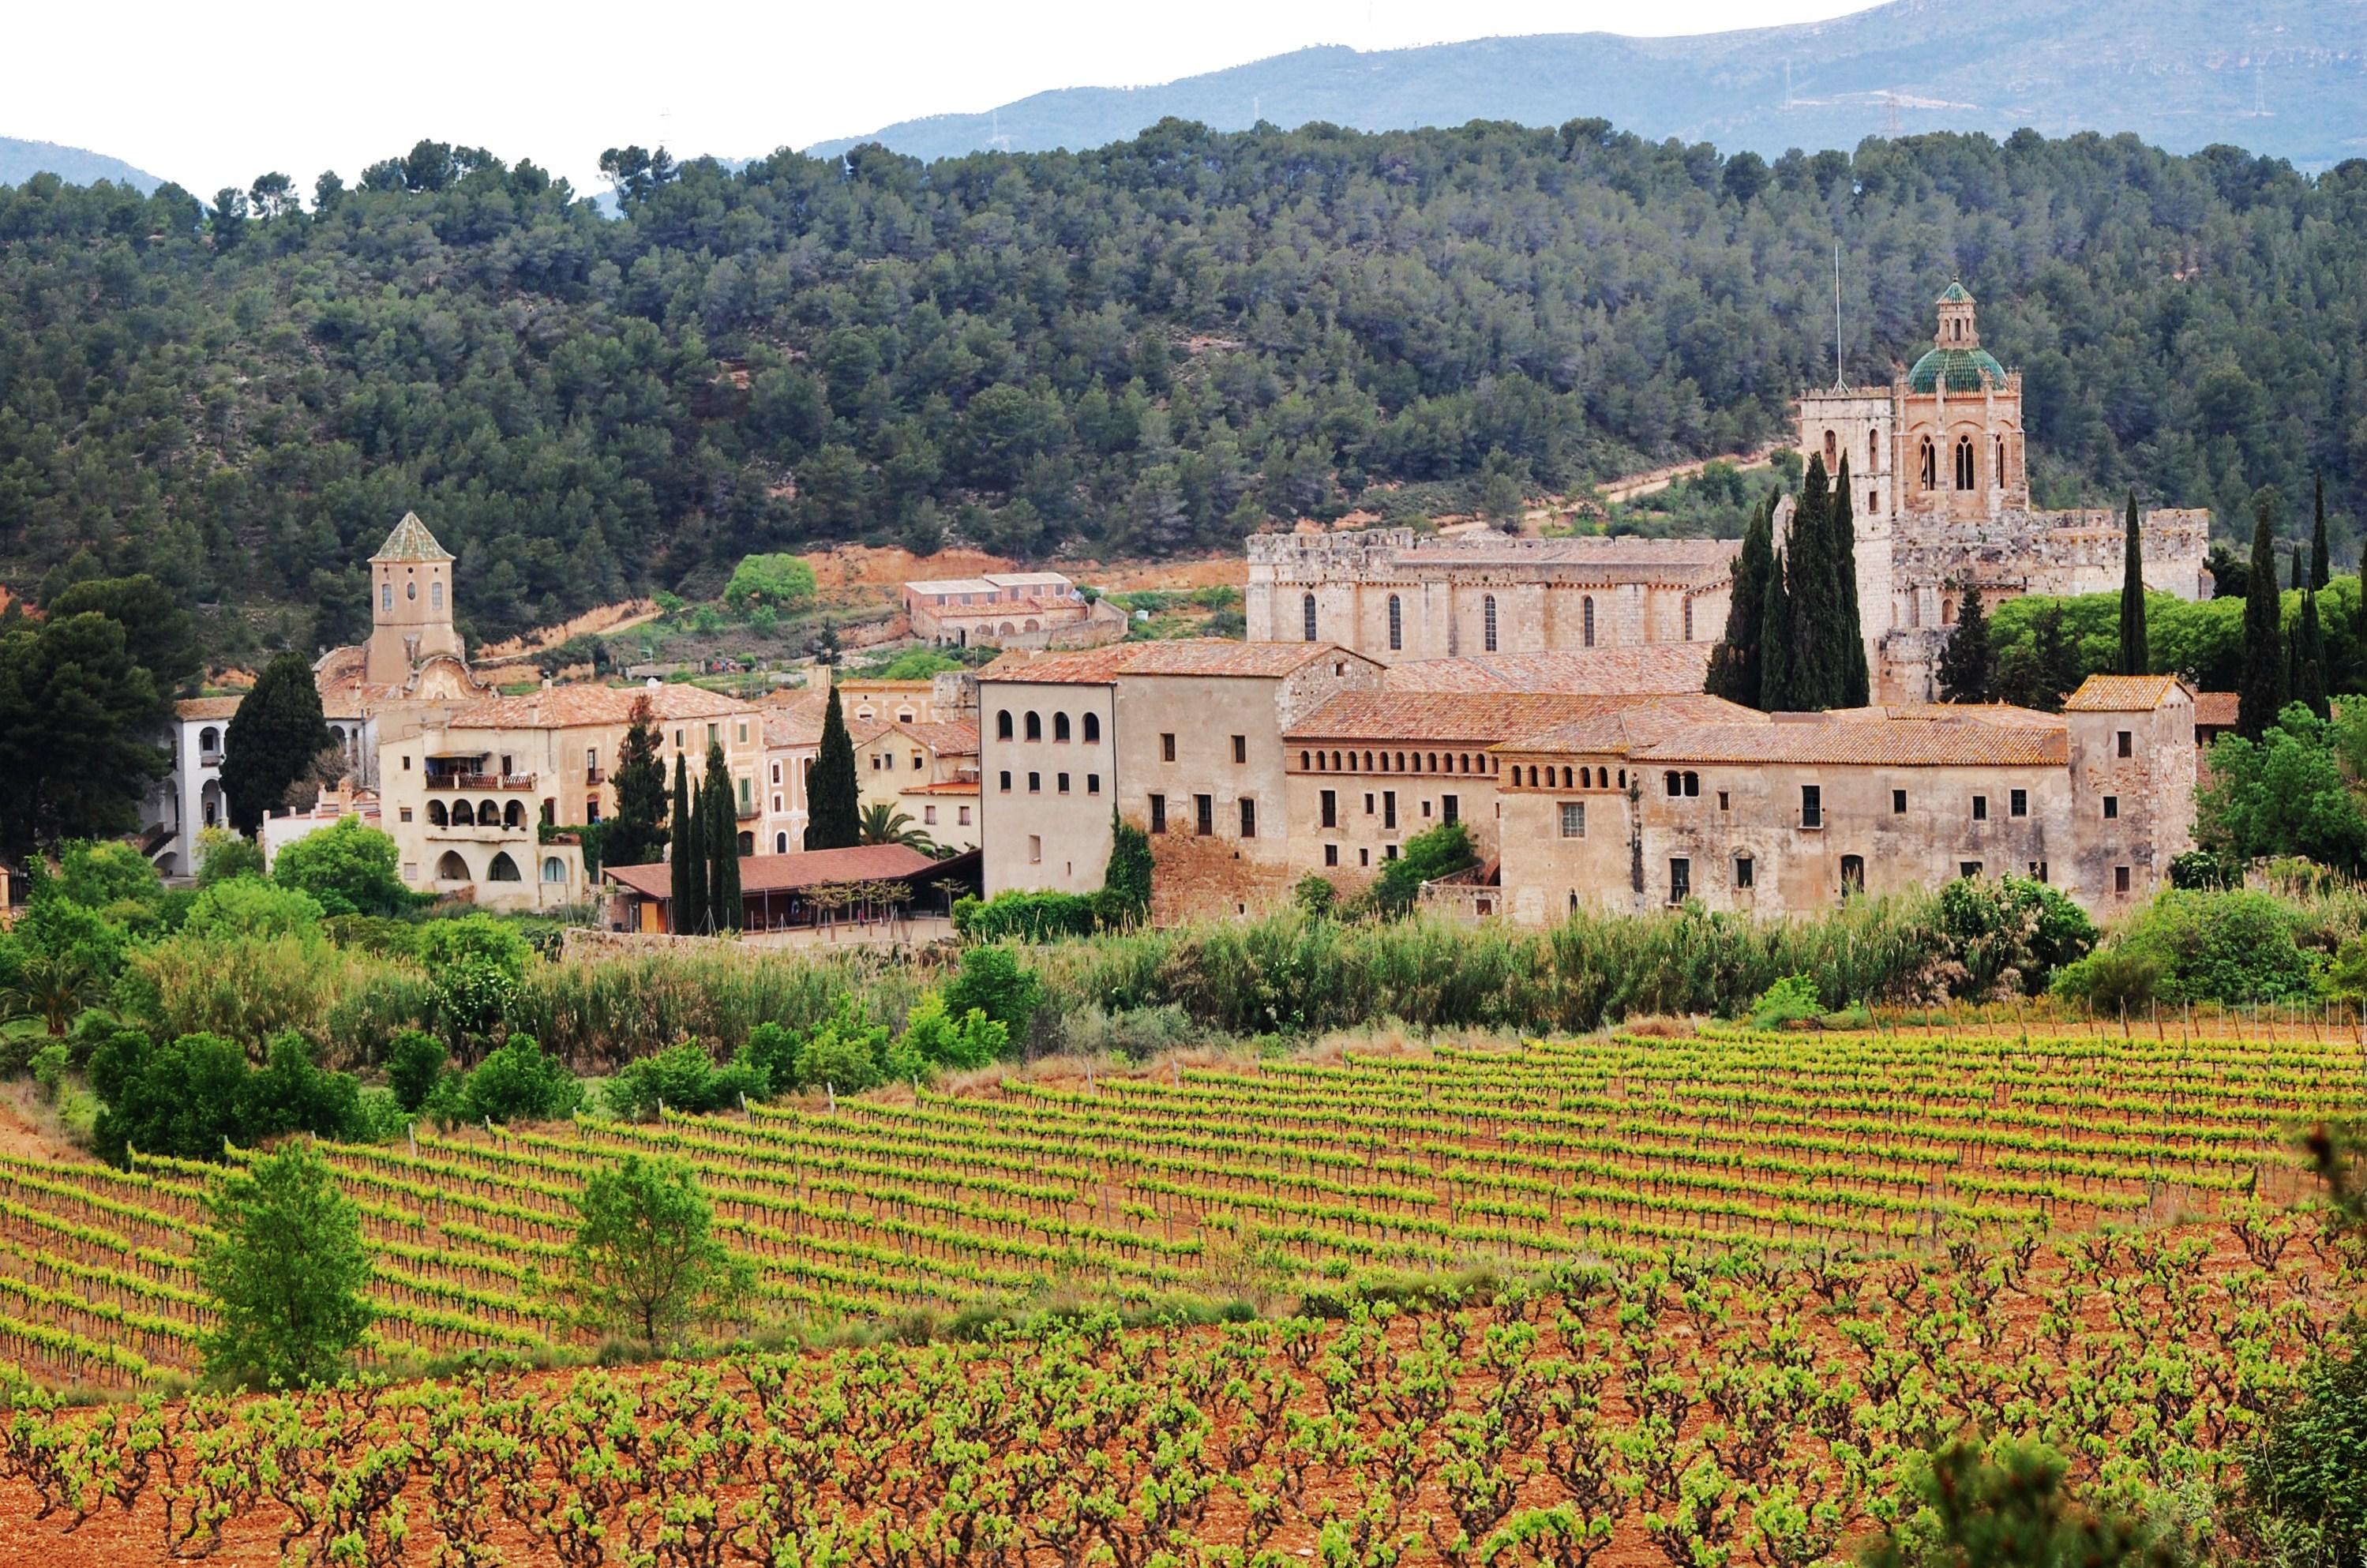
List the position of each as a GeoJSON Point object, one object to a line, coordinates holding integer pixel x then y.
{"type": "Point", "coordinates": [50, 988]}
{"type": "Point", "coordinates": [883, 823]}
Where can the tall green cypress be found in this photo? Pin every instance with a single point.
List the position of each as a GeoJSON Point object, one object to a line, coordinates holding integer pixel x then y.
{"type": "Point", "coordinates": [2321, 567]}
{"type": "Point", "coordinates": [684, 852]}
{"type": "Point", "coordinates": [833, 813]}
{"type": "Point", "coordinates": [720, 812]}
{"type": "Point", "coordinates": [1853, 686]}
{"type": "Point", "coordinates": [1810, 680]}
{"type": "Point", "coordinates": [2309, 684]}
{"type": "Point", "coordinates": [1969, 664]}
{"type": "Point", "coordinates": [2260, 691]}
{"type": "Point", "coordinates": [1775, 634]}
{"type": "Point", "coordinates": [2136, 657]}
{"type": "Point", "coordinates": [1736, 664]}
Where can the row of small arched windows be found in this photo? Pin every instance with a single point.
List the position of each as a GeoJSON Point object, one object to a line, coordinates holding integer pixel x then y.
{"type": "Point", "coordinates": [1032, 726]}
{"type": "Point", "coordinates": [1964, 474]}
{"type": "Point", "coordinates": [1396, 762]}
{"type": "Point", "coordinates": [487, 813]}
{"type": "Point", "coordinates": [452, 868]}
{"type": "Point", "coordinates": [1571, 777]}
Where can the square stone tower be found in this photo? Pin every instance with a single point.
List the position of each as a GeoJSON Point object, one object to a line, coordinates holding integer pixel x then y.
{"type": "Point", "coordinates": [411, 603]}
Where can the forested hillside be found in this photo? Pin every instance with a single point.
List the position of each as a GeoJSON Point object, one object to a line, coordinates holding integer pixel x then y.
{"type": "Point", "coordinates": [1157, 345]}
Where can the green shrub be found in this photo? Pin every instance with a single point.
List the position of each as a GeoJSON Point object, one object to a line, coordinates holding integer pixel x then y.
{"type": "Point", "coordinates": [846, 1054]}
{"type": "Point", "coordinates": [348, 867]}
{"type": "Point", "coordinates": [933, 1037]}
{"type": "Point", "coordinates": [2233, 947]}
{"type": "Point", "coordinates": [2115, 981]}
{"type": "Point", "coordinates": [1429, 854]}
{"type": "Point", "coordinates": [517, 1082]}
{"type": "Point", "coordinates": [415, 1059]}
{"type": "Point", "coordinates": [682, 1077]}
{"type": "Point", "coordinates": [1314, 895]}
{"type": "Point", "coordinates": [186, 1096]}
{"type": "Point", "coordinates": [1791, 1000]}
{"type": "Point", "coordinates": [1020, 917]}
{"type": "Point", "coordinates": [246, 906]}
{"type": "Point", "coordinates": [2200, 869]}
{"type": "Point", "coordinates": [993, 981]}
{"type": "Point", "coordinates": [50, 1065]}
{"type": "Point", "coordinates": [2008, 935]}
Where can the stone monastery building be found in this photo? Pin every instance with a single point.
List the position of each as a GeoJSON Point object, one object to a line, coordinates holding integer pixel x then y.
{"type": "Point", "coordinates": [1937, 483]}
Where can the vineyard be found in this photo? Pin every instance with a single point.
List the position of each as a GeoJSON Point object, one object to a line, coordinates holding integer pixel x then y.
{"type": "Point", "coordinates": [1263, 1180]}
{"type": "Point", "coordinates": [1735, 1282]}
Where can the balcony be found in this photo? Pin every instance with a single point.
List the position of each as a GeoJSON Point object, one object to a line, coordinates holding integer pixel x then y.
{"type": "Point", "coordinates": [593, 776]}
{"type": "Point", "coordinates": [479, 833]}
{"type": "Point", "coordinates": [210, 759]}
{"type": "Point", "coordinates": [518, 781]}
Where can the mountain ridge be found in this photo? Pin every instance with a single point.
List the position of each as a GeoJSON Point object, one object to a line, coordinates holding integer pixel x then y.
{"type": "Point", "coordinates": [2287, 78]}
{"type": "Point", "coordinates": [21, 160]}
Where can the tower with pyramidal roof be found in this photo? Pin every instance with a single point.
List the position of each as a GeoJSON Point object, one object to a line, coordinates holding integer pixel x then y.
{"type": "Point", "coordinates": [411, 603]}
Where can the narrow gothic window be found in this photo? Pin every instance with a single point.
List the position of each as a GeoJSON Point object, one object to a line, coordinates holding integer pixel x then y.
{"type": "Point", "coordinates": [1488, 615]}
{"type": "Point", "coordinates": [1689, 620]}
{"type": "Point", "coordinates": [1832, 451]}
{"type": "Point", "coordinates": [1964, 463]}
{"type": "Point", "coordinates": [1306, 616]}
{"type": "Point", "coordinates": [1397, 624]}
{"type": "Point", "coordinates": [1873, 450]}
{"type": "Point", "coordinates": [2000, 473]}
{"type": "Point", "coordinates": [1931, 473]}
{"type": "Point", "coordinates": [1587, 607]}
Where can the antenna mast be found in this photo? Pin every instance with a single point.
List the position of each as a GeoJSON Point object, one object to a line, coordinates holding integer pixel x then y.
{"type": "Point", "coordinates": [1837, 312]}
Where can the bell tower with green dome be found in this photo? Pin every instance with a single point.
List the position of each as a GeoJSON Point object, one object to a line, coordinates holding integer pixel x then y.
{"type": "Point", "coordinates": [411, 603]}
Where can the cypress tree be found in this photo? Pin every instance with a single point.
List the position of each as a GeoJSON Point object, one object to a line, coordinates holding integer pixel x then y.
{"type": "Point", "coordinates": [2321, 569]}
{"type": "Point", "coordinates": [1853, 686]}
{"type": "Point", "coordinates": [636, 835]}
{"type": "Point", "coordinates": [835, 815]}
{"type": "Point", "coordinates": [2309, 684]}
{"type": "Point", "coordinates": [2134, 655]}
{"type": "Point", "coordinates": [1775, 635]}
{"type": "Point", "coordinates": [721, 815]}
{"type": "Point", "coordinates": [1967, 664]}
{"type": "Point", "coordinates": [1735, 666]}
{"type": "Point", "coordinates": [271, 740]}
{"type": "Point", "coordinates": [1810, 675]}
{"type": "Point", "coordinates": [2260, 691]}
{"type": "Point", "coordinates": [689, 856]}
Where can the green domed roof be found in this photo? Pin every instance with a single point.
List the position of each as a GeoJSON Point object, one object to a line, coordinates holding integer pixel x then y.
{"type": "Point", "coordinates": [1967, 369]}
{"type": "Point", "coordinates": [1955, 292]}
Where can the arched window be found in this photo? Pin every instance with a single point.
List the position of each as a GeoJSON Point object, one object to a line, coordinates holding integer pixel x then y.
{"type": "Point", "coordinates": [1689, 620]}
{"type": "Point", "coordinates": [747, 844]}
{"type": "Point", "coordinates": [1998, 473]}
{"type": "Point", "coordinates": [436, 815]}
{"type": "Point", "coordinates": [1586, 777]}
{"type": "Point", "coordinates": [435, 593]}
{"type": "Point", "coordinates": [1034, 726]}
{"type": "Point", "coordinates": [549, 813]}
{"type": "Point", "coordinates": [451, 867]}
{"type": "Point", "coordinates": [386, 595]}
{"type": "Point", "coordinates": [1488, 622]}
{"type": "Point", "coordinates": [502, 869]}
{"type": "Point", "coordinates": [1002, 725]}
{"type": "Point", "coordinates": [463, 814]}
{"type": "Point", "coordinates": [210, 739]}
{"type": "Point", "coordinates": [1832, 449]}
{"type": "Point", "coordinates": [1873, 450]}
{"type": "Point", "coordinates": [1396, 625]}
{"type": "Point", "coordinates": [1307, 617]}
{"type": "Point", "coordinates": [514, 815]}
{"type": "Point", "coordinates": [554, 869]}
{"type": "Point", "coordinates": [780, 843]}
{"type": "Point", "coordinates": [1586, 610]}
{"type": "Point", "coordinates": [1930, 468]}
{"type": "Point", "coordinates": [489, 814]}
{"type": "Point", "coordinates": [1093, 728]}
{"type": "Point", "coordinates": [1964, 463]}
{"type": "Point", "coordinates": [1059, 726]}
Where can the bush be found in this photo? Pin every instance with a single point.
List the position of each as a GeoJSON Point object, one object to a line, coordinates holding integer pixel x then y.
{"type": "Point", "coordinates": [287, 1272]}
{"type": "Point", "coordinates": [245, 906]}
{"type": "Point", "coordinates": [933, 1037]}
{"type": "Point", "coordinates": [474, 938]}
{"type": "Point", "coordinates": [1025, 917]}
{"type": "Point", "coordinates": [518, 1082]}
{"type": "Point", "coordinates": [415, 1059]}
{"type": "Point", "coordinates": [1791, 1000]}
{"type": "Point", "coordinates": [186, 1098]}
{"type": "Point", "coordinates": [782, 582]}
{"type": "Point", "coordinates": [2008, 935]}
{"type": "Point", "coordinates": [682, 1077]}
{"type": "Point", "coordinates": [50, 1065]}
{"type": "Point", "coordinates": [1429, 854]}
{"type": "Point", "coordinates": [2115, 981]}
{"type": "Point", "coordinates": [2233, 947]}
{"type": "Point", "coordinates": [995, 983]}
{"type": "Point", "coordinates": [1314, 895]}
{"type": "Point", "coordinates": [846, 1054]}
{"type": "Point", "coordinates": [2200, 869]}
{"type": "Point", "coordinates": [348, 867]}
{"type": "Point", "coordinates": [2310, 1472]}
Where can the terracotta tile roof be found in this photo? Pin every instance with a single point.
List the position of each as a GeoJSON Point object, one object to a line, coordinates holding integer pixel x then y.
{"type": "Point", "coordinates": [941, 787]}
{"type": "Point", "coordinates": [1622, 556]}
{"type": "Point", "coordinates": [953, 737]}
{"type": "Point", "coordinates": [567, 707]}
{"type": "Point", "coordinates": [206, 707]}
{"type": "Point", "coordinates": [2121, 694]}
{"type": "Point", "coordinates": [1858, 740]}
{"type": "Point", "coordinates": [1648, 669]}
{"type": "Point", "coordinates": [1621, 725]}
{"type": "Point", "coordinates": [785, 873]}
{"type": "Point", "coordinates": [786, 727]}
{"type": "Point", "coordinates": [1482, 717]}
{"type": "Point", "coordinates": [1222, 656]}
{"type": "Point", "coordinates": [949, 585]}
{"type": "Point", "coordinates": [1075, 666]}
{"type": "Point", "coordinates": [2217, 709]}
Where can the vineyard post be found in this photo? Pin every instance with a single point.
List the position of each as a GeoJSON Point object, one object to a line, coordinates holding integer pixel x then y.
{"type": "Point", "coordinates": [411, 1133]}
{"type": "Point", "coordinates": [830, 1092]}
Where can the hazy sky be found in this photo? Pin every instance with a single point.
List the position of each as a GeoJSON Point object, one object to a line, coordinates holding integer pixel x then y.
{"type": "Point", "coordinates": [211, 95]}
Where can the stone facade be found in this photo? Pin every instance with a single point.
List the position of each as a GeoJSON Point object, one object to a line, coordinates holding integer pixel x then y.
{"type": "Point", "coordinates": [1941, 498]}
{"type": "Point", "coordinates": [1782, 814]}
{"type": "Point", "coordinates": [1184, 739]}
{"type": "Point", "coordinates": [1395, 595]}
{"type": "Point", "coordinates": [1010, 609]}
